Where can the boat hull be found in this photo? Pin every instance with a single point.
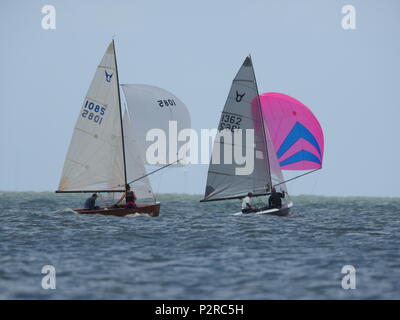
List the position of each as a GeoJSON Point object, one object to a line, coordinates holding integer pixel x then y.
{"type": "Point", "coordinates": [282, 212]}
{"type": "Point", "coordinates": [152, 210]}
{"type": "Point", "coordinates": [279, 212]}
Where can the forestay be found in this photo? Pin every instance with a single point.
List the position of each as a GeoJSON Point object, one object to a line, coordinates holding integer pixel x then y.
{"type": "Point", "coordinates": [150, 108]}
{"type": "Point", "coordinates": [241, 111]}
{"type": "Point", "coordinates": [95, 156]}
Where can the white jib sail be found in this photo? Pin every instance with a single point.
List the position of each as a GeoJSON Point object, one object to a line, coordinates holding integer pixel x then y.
{"type": "Point", "coordinates": [150, 108]}
{"type": "Point", "coordinates": [95, 156]}
{"type": "Point", "coordinates": [241, 111]}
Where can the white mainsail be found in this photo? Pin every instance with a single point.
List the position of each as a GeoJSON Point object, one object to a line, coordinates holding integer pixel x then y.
{"type": "Point", "coordinates": [150, 108]}
{"type": "Point", "coordinates": [95, 158]}
{"type": "Point", "coordinates": [242, 111]}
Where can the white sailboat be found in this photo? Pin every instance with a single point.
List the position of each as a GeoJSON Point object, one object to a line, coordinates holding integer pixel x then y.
{"type": "Point", "coordinates": [105, 153]}
{"type": "Point", "coordinates": [242, 110]}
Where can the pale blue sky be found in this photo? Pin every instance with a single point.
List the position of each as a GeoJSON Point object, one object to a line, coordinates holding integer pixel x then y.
{"type": "Point", "coordinates": [350, 79]}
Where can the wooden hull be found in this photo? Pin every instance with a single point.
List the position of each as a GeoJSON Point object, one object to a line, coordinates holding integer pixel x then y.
{"type": "Point", "coordinates": [120, 211]}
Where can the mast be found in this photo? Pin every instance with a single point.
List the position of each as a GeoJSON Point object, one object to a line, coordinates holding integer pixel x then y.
{"type": "Point", "coordinates": [262, 123]}
{"type": "Point", "coordinates": [120, 115]}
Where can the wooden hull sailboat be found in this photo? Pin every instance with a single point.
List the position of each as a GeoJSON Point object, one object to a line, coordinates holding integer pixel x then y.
{"type": "Point", "coordinates": [151, 209]}
{"type": "Point", "coordinates": [108, 146]}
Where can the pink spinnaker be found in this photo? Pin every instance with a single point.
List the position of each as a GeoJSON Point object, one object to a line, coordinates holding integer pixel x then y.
{"type": "Point", "coordinates": [296, 133]}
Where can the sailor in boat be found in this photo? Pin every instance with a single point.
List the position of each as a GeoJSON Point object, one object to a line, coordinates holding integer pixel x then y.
{"type": "Point", "coordinates": [90, 203]}
{"type": "Point", "coordinates": [130, 198]}
{"type": "Point", "coordinates": [246, 204]}
{"type": "Point", "coordinates": [274, 200]}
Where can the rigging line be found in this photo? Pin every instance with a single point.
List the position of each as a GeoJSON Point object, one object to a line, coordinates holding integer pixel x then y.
{"type": "Point", "coordinates": [154, 171]}
{"type": "Point", "coordinates": [296, 177]}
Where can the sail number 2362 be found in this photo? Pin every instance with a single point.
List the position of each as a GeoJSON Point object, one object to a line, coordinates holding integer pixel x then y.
{"type": "Point", "coordinates": [93, 111]}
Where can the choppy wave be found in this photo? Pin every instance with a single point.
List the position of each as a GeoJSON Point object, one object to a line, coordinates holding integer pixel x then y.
{"type": "Point", "coordinates": [199, 250]}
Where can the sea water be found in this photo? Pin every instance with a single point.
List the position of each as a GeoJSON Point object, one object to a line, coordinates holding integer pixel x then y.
{"type": "Point", "coordinates": [199, 250]}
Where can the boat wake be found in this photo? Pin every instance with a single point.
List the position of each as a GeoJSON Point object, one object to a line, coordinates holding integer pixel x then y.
{"type": "Point", "coordinates": [66, 210]}
{"type": "Point", "coordinates": [136, 215]}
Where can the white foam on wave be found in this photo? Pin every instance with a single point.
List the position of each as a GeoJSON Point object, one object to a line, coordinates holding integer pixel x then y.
{"type": "Point", "coordinates": [66, 210]}
{"type": "Point", "coordinates": [136, 214]}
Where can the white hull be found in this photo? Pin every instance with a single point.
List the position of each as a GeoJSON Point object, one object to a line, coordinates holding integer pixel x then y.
{"type": "Point", "coordinates": [284, 211]}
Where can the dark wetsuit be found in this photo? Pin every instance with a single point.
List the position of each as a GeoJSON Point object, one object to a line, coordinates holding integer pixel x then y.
{"type": "Point", "coordinates": [90, 203]}
{"type": "Point", "coordinates": [274, 200]}
{"type": "Point", "coordinates": [130, 200]}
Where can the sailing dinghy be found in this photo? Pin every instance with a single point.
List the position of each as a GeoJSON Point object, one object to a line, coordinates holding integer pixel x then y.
{"type": "Point", "coordinates": [106, 150]}
{"type": "Point", "coordinates": [242, 110]}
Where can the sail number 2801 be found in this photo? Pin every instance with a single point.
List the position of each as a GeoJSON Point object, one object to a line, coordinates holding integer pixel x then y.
{"type": "Point", "coordinates": [93, 111]}
{"type": "Point", "coordinates": [166, 103]}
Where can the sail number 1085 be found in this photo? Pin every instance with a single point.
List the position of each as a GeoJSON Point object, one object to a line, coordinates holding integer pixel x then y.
{"type": "Point", "coordinates": [94, 112]}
